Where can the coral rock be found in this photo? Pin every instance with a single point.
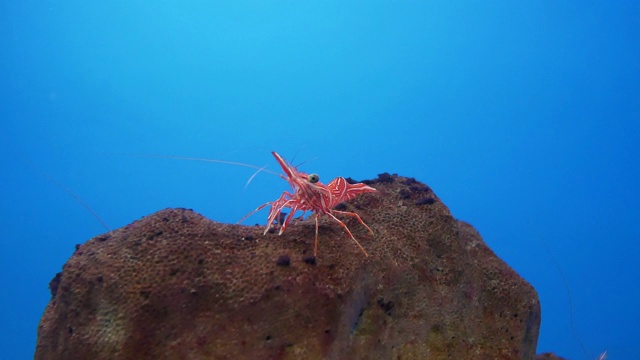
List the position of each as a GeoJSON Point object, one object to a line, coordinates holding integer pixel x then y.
{"type": "Point", "coordinates": [175, 285]}
{"type": "Point", "coordinates": [548, 356]}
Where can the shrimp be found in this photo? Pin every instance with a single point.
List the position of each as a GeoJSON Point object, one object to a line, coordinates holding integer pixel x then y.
{"type": "Point", "coordinates": [309, 194]}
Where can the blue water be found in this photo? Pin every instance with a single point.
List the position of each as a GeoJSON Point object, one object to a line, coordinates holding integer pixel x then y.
{"type": "Point", "coordinates": [524, 117]}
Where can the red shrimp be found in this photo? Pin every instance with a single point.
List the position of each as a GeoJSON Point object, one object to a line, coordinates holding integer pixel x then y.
{"type": "Point", "coordinates": [309, 194]}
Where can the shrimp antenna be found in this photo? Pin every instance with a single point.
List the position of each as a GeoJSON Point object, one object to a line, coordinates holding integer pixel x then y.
{"type": "Point", "coordinates": [254, 175]}
{"type": "Point", "coordinates": [209, 160]}
{"type": "Point", "coordinates": [306, 161]}
{"type": "Point", "coordinates": [296, 154]}
{"type": "Point", "coordinates": [77, 198]}
{"type": "Point", "coordinates": [569, 296]}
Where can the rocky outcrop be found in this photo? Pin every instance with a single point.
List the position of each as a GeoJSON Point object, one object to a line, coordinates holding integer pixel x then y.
{"type": "Point", "coordinates": [548, 356]}
{"type": "Point", "coordinates": [175, 285]}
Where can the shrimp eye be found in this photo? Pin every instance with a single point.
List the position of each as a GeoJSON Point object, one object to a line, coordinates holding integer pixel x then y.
{"type": "Point", "coordinates": [313, 178]}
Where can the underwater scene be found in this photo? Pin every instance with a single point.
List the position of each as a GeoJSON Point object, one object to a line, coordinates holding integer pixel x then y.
{"type": "Point", "coordinates": [320, 180]}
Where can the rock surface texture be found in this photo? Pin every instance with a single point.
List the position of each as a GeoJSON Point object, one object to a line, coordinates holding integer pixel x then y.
{"type": "Point", "coordinates": [175, 285]}
{"type": "Point", "coordinates": [548, 356]}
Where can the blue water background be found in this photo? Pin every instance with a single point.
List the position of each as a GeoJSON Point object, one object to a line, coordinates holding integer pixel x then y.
{"type": "Point", "coordinates": [523, 116]}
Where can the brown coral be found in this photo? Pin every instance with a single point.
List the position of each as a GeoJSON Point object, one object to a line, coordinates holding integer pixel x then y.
{"type": "Point", "coordinates": [175, 285]}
